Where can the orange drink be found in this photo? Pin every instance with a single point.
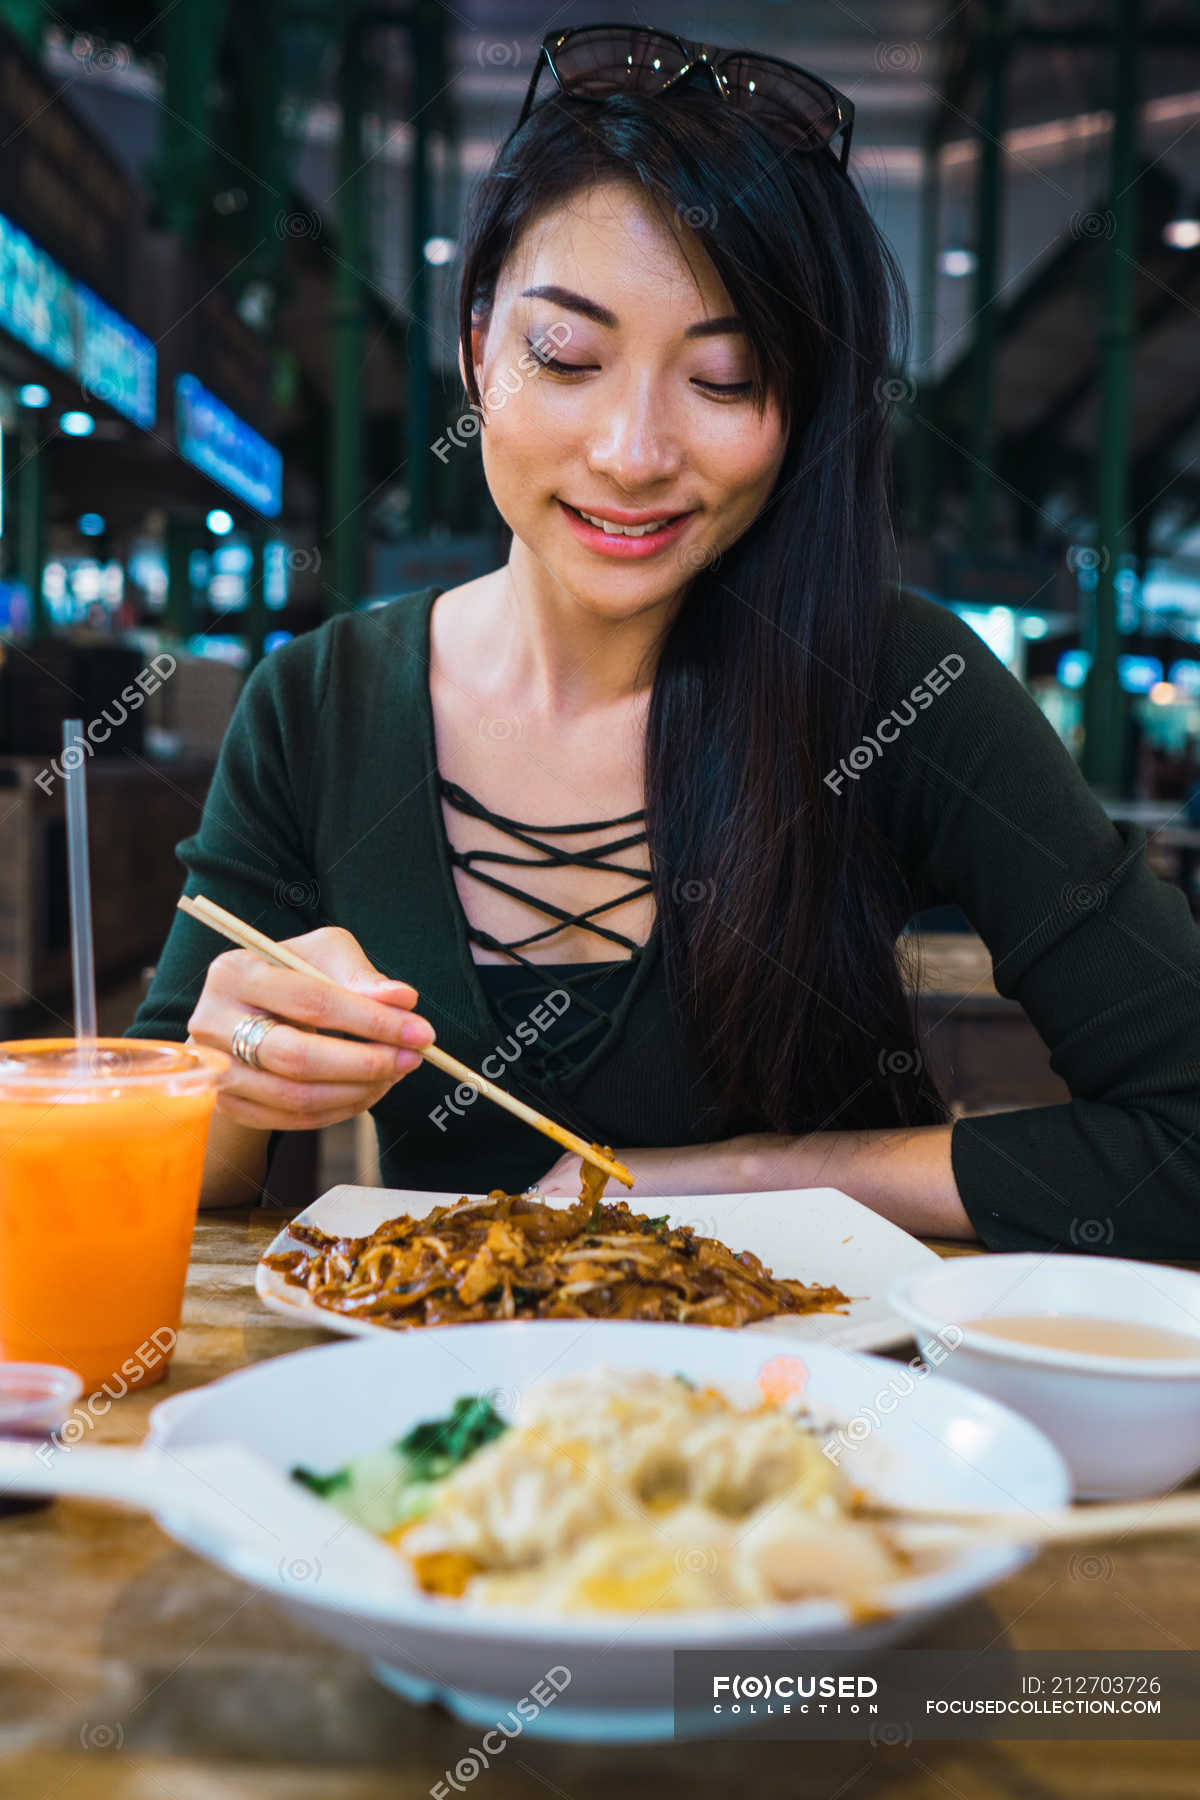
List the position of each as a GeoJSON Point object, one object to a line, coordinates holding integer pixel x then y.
{"type": "Point", "coordinates": [101, 1156]}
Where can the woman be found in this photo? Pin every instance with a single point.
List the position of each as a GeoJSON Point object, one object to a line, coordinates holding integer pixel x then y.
{"type": "Point", "coordinates": [637, 819]}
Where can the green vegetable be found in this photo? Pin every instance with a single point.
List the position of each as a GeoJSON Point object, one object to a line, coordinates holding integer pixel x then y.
{"type": "Point", "coordinates": [384, 1488]}
{"type": "Point", "coordinates": [438, 1445]}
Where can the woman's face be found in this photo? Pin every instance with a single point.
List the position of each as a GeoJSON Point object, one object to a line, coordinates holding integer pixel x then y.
{"type": "Point", "coordinates": [640, 416]}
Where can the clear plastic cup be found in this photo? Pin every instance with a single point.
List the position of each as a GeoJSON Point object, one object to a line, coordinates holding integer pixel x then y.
{"type": "Point", "coordinates": [101, 1157]}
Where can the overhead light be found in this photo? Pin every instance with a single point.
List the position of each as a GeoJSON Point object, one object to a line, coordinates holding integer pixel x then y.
{"type": "Point", "coordinates": [1139, 674]}
{"type": "Point", "coordinates": [1072, 667]}
{"type": "Point", "coordinates": [1162, 693]}
{"type": "Point", "coordinates": [219, 522]}
{"type": "Point", "coordinates": [1183, 231]}
{"type": "Point", "coordinates": [1033, 627]}
{"type": "Point", "coordinates": [1186, 676]}
{"type": "Point", "coordinates": [33, 394]}
{"type": "Point", "coordinates": [91, 524]}
{"type": "Point", "coordinates": [77, 424]}
{"type": "Point", "coordinates": [439, 250]}
{"type": "Point", "coordinates": [957, 263]}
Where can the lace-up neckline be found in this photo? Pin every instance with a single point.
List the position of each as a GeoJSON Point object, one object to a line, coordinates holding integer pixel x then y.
{"type": "Point", "coordinates": [594, 988]}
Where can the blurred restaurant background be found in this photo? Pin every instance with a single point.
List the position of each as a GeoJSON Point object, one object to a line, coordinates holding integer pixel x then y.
{"type": "Point", "coordinates": [230, 405]}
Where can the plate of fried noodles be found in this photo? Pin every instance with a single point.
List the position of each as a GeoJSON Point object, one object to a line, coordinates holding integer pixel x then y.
{"type": "Point", "coordinates": [811, 1263]}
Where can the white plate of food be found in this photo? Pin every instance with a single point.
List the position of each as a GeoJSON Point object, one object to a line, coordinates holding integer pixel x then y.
{"type": "Point", "coordinates": [568, 1507]}
{"type": "Point", "coordinates": [824, 1262]}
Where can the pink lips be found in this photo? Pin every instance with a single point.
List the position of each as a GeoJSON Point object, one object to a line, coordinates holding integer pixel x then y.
{"type": "Point", "coordinates": [624, 547]}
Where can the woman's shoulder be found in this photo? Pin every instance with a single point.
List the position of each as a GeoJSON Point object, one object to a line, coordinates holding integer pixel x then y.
{"type": "Point", "coordinates": [930, 658]}
{"type": "Point", "coordinates": [348, 653]}
{"type": "Point", "coordinates": [920, 633]}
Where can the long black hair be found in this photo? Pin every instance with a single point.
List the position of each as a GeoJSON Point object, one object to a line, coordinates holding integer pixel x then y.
{"type": "Point", "coordinates": [778, 904]}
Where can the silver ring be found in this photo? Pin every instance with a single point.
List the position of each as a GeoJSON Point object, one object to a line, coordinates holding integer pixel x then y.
{"type": "Point", "coordinates": [248, 1034]}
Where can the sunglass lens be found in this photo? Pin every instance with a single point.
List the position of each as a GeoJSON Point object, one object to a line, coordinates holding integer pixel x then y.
{"type": "Point", "coordinates": [617, 60]}
{"type": "Point", "coordinates": [784, 98]}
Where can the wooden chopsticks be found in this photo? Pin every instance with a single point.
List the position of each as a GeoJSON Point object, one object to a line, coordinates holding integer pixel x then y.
{"type": "Point", "coordinates": [1157, 1517]}
{"type": "Point", "coordinates": [238, 932]}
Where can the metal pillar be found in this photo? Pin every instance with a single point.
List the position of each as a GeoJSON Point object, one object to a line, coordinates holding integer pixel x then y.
{"type": "Point", "coordinates": [26, 19]}
{"type": "Point", "coordinates": [345, 489]}
{"type": "Point", "coordinates": [31, 524]}
{"type": "Point", "coordinates": [180, 613]}
{"type": "Point", "coordinates": [269, 157]}
{"type": "Point", "coordinates": [426, 40]}
{"type": "Point", "coordinates": [924, 444]}
{"type": "Point", "coordinates": [256, 595]}
{"type": "Point", "coordinates": [1103, 719]}
{"type": "Point", "coordinates": [192, 33]}
{"type": "Point", "coordinates": [987, 250]}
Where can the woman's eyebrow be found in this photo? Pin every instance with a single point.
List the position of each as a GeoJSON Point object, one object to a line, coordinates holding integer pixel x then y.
{"type": "Point", "coordinates": [591, 309]}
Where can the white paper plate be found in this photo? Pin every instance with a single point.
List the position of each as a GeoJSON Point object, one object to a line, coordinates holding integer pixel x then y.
{"type": "Point", "coordinates": [801, 1234]}
{"type": "Point", "coordinates": [935, 1443]}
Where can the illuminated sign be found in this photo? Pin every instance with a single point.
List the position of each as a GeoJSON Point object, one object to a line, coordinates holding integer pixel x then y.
{"type": "Point", "coordinates": [117, 364]}
{"type": "Point", "coordinates": [227, 449]}
{"type": "Point", "coordinates": [64, 321]}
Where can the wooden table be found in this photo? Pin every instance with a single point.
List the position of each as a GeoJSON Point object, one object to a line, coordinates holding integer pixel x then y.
{"type": "Point", "coordinates": [132, 1670]}
{"type": "Point", "coordinates": [980, 1046]}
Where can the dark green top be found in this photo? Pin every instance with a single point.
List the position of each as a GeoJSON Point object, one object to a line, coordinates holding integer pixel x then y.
{"type": "Point", "coordinates": [324, 809]}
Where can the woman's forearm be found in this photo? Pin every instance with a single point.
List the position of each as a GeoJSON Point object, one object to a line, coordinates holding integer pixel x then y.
{"type": "Point", "coordinates": [235, 1164]}
{"type": "Point", "coordinates": [904, 1174]}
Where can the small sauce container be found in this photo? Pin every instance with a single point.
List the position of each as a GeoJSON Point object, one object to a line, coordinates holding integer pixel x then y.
{"type": "Point", "coordinates": [35, 1398]}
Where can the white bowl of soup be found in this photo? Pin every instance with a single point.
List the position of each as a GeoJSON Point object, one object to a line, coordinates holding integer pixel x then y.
{"type": "Point", "coordinates": [1103, 1354]}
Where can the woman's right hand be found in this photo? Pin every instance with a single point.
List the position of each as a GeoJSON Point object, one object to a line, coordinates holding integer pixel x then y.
{"type": "Point", "coordinates": [309, 1080]}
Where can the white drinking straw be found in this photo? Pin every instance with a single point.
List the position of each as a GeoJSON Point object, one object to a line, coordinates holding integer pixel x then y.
{"type": "Point", "coordinates": [83, 960]}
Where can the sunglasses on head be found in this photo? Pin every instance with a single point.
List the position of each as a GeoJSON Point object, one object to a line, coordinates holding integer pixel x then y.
{"type": "Point", "coordinates": [594, 62]}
